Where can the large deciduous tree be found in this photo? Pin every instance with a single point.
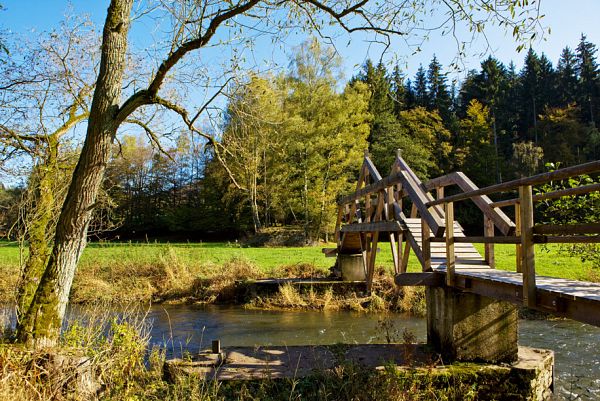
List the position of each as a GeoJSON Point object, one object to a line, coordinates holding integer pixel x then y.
{"type": "Point", "coordinates": [195, 25]}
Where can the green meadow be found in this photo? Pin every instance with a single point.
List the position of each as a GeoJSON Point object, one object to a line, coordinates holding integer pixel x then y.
{"type": "Point", "coordinates": [129, 271]}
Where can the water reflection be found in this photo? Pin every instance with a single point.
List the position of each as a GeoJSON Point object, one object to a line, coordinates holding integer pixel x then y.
{"type": "Point", "coordinates": [577, 369]}
{"type": "Point", "coordinates": [197, 326]}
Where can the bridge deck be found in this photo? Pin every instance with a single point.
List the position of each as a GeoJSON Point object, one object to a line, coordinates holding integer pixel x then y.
{"type": "Point", "coordinates": [578, 300]}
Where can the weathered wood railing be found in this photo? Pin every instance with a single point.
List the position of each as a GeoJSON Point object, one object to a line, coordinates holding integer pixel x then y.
{"type": "Point", "coordinates": [376, 206]}
{"type": "Point", "coordinates": [526, 234]}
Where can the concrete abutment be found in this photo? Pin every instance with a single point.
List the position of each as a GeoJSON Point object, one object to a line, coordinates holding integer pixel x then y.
{"type": "Point", "coordinates": [462, 326]}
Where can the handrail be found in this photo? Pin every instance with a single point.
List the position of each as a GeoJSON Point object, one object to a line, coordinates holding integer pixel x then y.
{"type": "Point", "coordinates": [585, 189]}
{"type": "Point", "coordinates": [591, 167]}
{"type": "Point", "coordinates": [500, 220]}
{"type": "Point", "coordinates": [370, 189]}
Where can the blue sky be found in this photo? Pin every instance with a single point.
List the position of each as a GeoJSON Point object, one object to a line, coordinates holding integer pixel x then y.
{"type": "Point", "coordinates": [567, 20]}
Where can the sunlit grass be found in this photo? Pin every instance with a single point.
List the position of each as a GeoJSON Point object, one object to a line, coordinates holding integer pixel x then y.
{"type": "Point", "coordinates": [146, 270]}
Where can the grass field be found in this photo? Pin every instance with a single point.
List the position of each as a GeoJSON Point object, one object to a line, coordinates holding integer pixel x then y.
{"type": "Point", "coordinates": [129, 271]}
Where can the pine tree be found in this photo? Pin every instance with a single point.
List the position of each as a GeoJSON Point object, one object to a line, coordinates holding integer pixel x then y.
{"type": "Point", "coordinates": [439, 96]}
{"type": "Point", "coordinates": [381, 103]}
{"type": "Point", "coordinates": [410, 97]}
{"type": "Point", "coordinates": [587, 69]}
{"type": "Point", "coordinates": [548, 94]}
{"type": "Point", "coordinates": [492, 84]}
{"type": "Point", "coordinates": [567, 78]}
{"type": "Point", "coordinates": [398, 90]}
{"type": "Point", "coordinates": [420, 88]}
{"type": "Point", "coordinates": [530, 85]}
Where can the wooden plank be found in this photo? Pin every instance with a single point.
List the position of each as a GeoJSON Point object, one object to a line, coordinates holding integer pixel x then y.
{"type": "Point", "coordinates": [431, 279]}
{"type": "Point", "coordinates": [450, 260]}
{"type": "Point", "coordinates": [410, 239]}
{"type": "Point", "coordinates": [584, 189]}
{"type": "Point", "coordinates": [439, 192]}
{"type": "Point", "coordinates": [403, 166]}
{"type": "Point", "coordinates": [501, 220]}
{"type": "Point", "coordinates": [440, 182]}
{"type": "Point", "coordinates": [528, 261]}
{"type": "Point", "coordinates": [371, 188]}
{"type": "Point", "coordinates": [372, 257]}
{"type": "Point", "coordinates": [587, 168]}
{"type": "Point", "coordinates": [419, 199]}
{"type": "Point", "coordinates": [372, 169]}
{"type": "Point", "coordinates": [425, 249]}
{"type": "Point", "coordinates": [481, 240]}
{"type": "Point", "coordinates": [519, 248]}
{"type": "Point", "coordinates": [571, 239]}
{"type": "Point", "coordinates": [460, 263]}
{"type": "Point", "coordinates": [386, 226]}
{"type": "Point", "coordinates": [567, 229]}
{"type": "Point", "coordinates": [488, 231]}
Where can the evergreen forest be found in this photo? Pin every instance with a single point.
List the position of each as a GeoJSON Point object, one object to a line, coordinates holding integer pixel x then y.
{"type": "Point", "coordinates": [290, 143]}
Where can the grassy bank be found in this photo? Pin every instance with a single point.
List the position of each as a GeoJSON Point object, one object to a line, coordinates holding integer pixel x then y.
{"type": "Point", "coordinates": [125, 272]}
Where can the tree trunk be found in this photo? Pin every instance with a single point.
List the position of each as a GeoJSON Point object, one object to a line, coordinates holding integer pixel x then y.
{"type": "Point", "coordinates": [43, 320]}
{"type": "Point", "coordinates": [43, 178]}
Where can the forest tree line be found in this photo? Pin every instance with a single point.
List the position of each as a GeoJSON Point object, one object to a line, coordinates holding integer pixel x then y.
{"type": "Point", "coordinates": [294, 141]}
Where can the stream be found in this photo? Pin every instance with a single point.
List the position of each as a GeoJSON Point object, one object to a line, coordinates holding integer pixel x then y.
{"type": "Point", "coordinates": [191, 328]}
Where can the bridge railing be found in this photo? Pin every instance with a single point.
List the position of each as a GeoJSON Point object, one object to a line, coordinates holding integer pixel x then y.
{"type": "Point", "coordinates": [526, 233]}
{"type": "Point", "coordinates": [376, 206]}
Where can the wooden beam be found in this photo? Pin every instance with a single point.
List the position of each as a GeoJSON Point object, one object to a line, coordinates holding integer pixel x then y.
{"type": "Point", "coordinates": [528, 261]}
{"type": "Point", "coordinates": [403, 166]}
{"type": "Point", "coordinates": [371, 265]}
{"type": "Point", "coordinates": [450, 260]}
{"type": "Point", "coordinates": [430, 279]}
{"type": "Point", "coordinates": [372, 169]}
{"type": "Point", "coordinates": [440, 182]}
{"type": "Point", "coordinates": [481, 240]}
{"type": "Point", "coordinates": [386, 226]}
{"type": "Point", "coordinates": [519, 248]}
{"type": "Point", "coordinates": [567, 229]}
{"type": "Point", "coordinates": [571, 239]}
{"type": "Point", "coordinates": [413, 243]}
{"type": "Point", "coordinates": [425, 245]}
{"type": "Point", "coordinates": [371, 188]}
{"type": "Point", "coordinates": [488, 231]}
{"type": "Point", "coordinates": [501, 220]}
{"type": "Point", "coordinates": [417, 195]}
{"type": "Point", "coordinates": [585, 189]}
{"type": "Point", "coordinates": [587, 168]}
{"type": "Point", "coordinates": [439, 192]}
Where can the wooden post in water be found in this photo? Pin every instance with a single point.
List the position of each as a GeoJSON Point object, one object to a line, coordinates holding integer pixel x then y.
{"type": "Point", "coordinates": [528, 258]}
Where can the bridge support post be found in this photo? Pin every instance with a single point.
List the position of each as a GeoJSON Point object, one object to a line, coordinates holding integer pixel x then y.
{"type": "Point", "coordinates": [469, 327]}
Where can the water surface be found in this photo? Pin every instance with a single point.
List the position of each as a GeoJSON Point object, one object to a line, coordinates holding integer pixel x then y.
{"type": "Point", "coordinates": [179, 327]}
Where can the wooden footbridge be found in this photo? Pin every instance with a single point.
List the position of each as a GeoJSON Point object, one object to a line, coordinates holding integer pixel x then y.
{"type": "Point", "coordinates": [447, 256]}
